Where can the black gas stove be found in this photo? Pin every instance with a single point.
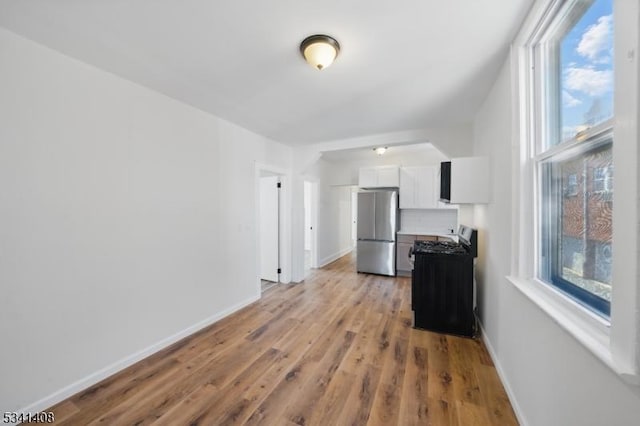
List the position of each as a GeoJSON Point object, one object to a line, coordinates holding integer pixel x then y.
{"type": "Point", "coordinates": [442, 284]}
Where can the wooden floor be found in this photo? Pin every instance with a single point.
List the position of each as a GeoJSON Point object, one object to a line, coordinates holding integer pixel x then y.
{"type": "Point", "coordinates": [336, 350]}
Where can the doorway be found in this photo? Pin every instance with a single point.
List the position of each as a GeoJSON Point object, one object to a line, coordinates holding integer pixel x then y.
{"type": "Point", "coordinates": [269, 230]}
{"type": "Point", "coordinates": [310, 243]}
{"type": "Point", "coordinates": [273, 229]}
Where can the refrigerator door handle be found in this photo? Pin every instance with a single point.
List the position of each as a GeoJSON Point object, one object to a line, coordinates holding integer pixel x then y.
{"type": "Point", "coordinates": [377, 241]}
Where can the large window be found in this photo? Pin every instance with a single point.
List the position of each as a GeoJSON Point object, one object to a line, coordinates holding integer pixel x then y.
{"type": "Point", "coordinates": [577, 232]}
{"type": "Point", "coordinates": [573, 77]}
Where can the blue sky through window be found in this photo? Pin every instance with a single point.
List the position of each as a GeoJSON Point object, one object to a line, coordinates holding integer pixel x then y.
{"type": "Point", "coordinates": [586, 63]}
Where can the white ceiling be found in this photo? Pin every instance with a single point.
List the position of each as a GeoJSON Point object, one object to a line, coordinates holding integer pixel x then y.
{"type": "Point", "coordinates": [404, 65]}
{"type": "Point", "coordinates": [367, 154]}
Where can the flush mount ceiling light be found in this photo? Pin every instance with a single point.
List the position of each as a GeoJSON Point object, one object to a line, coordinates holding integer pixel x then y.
{"type": "Point", "coordinates": [380, 150]}
{"type": "Point", "coordinates": [319, 50]}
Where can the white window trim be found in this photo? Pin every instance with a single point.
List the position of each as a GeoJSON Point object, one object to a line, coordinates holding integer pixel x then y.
{"type": "Point", "coordinates": [615, 343]}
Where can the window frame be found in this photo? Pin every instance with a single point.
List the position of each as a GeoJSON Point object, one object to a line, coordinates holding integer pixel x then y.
{"type": "Point", "coordinates": [594, 139]}
{"type": "Point", "coordinates": [546, 74]}
{"type": "Point", "coordinates": [615, 342]}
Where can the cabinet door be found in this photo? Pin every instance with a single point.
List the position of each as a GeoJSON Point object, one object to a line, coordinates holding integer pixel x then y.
{"type": "Point", "coordinates": [388, 176]}
{"type": "Point", "coordinates": [417, 188]}
{"type": "Point", "coordinates": [368, 177]}
{"type": "Point", "coordinates": [408, 188]}
{"type": "Point", "coordinates": [402, 257]}
{"type": "Point", "coordinates": [426, 198]}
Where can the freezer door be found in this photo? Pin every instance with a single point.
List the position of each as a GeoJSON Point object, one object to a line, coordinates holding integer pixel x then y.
{"type": "Point", "coordinates": [376, 257]}
{"type": "Point", "coordinates": [366, 215]}
{"type": "Point", "coordinates": [386, 203]}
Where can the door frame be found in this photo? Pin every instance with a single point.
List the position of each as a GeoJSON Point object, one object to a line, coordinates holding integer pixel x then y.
{"type": "Point", "coordinates": [313, 219]}
{"type": "Point", "coordinates": [284, 221]}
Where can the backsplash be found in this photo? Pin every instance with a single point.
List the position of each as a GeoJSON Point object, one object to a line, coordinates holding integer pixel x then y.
{"type": "Point", "coordinates": [432, 220]}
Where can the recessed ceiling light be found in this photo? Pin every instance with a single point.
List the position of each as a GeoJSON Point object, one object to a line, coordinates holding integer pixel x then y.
{"type": "Point", "coordinates": [319, 50]}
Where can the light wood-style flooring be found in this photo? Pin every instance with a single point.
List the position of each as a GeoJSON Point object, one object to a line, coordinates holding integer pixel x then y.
{"type": "Point", "coordinates": [338, 349]}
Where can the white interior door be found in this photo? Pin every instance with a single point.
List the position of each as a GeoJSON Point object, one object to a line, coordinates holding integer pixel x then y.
{"type": "Point", "coordinates": [269, 230]}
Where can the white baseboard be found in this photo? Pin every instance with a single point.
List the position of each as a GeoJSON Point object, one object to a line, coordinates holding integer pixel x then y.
{"type": "Point", "coordinates": [327, 260]}
{"type": "Point", "coordinates": [503, 378]}
{"type": "Point", "coordinates": [117, 366]}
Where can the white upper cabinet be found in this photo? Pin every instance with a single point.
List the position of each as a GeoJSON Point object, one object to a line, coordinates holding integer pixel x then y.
{"type": "Point", "coordinates": [388, 176]}
{"type": "Point", "coordinates": [379, 177]}
{"type": "Point", "coordinates": [418, 189]}
{"type": "Point", "coordinates": [368, 177]}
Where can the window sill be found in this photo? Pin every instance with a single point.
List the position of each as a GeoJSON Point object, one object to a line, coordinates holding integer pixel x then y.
{"type": "Point", "coordinates": [587, 328]}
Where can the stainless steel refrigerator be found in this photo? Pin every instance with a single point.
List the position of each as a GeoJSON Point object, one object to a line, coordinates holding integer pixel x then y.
{"type": "Point", "coordinates": [377, 226]}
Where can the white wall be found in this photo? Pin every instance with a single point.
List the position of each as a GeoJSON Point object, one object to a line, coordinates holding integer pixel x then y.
{"type": "Point", "coordinates": [349, 169]}
{"type": "Point", "coordinates": [241, 151]}
{"type": "Point", "coordinates": [125, 218]}
{"type": "Point", "coordinates": [453, 141]}
{"type": "Point", "coordinates": [553, 379]}
{"type": "Point", "coordinates": [333, 232]}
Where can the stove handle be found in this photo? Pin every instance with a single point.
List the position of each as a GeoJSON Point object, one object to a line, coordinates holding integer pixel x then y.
{"type": "Point", "coordinates": [410, 252]}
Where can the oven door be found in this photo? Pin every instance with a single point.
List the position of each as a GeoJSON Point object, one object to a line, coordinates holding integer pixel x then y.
{"type": "Point", "coordinates": [442, 293]}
